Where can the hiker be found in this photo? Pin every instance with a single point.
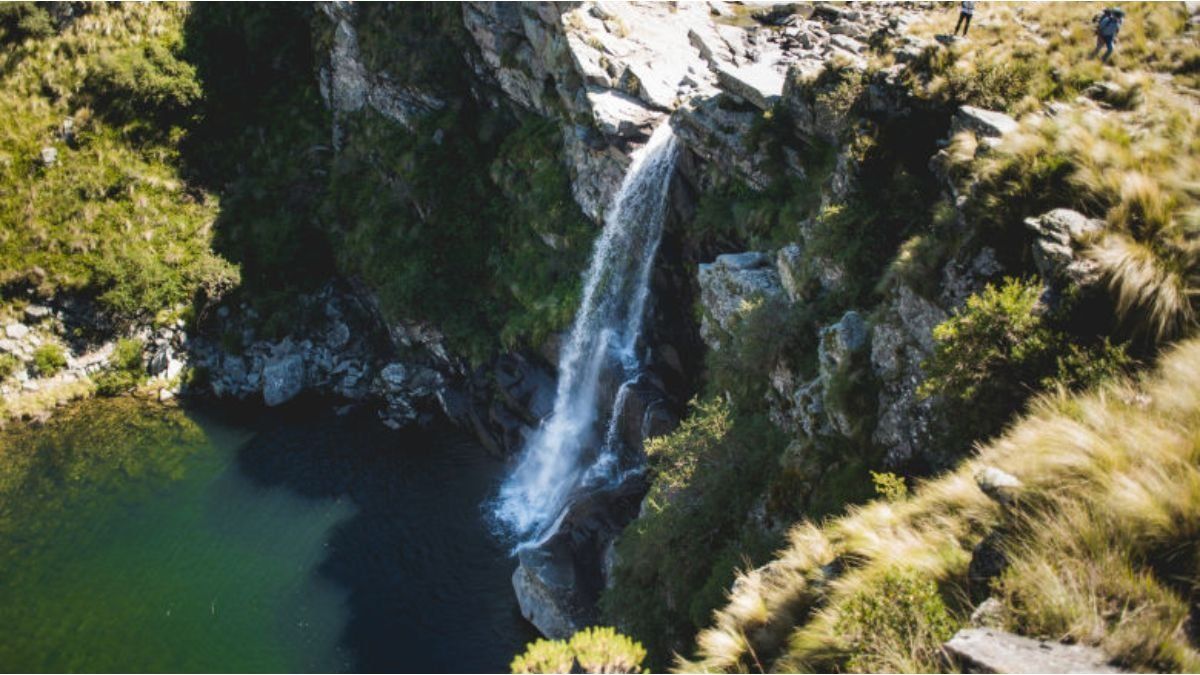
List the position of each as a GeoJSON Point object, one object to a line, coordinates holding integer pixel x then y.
{"type": "Point", "coordinates": [1108, 24]}
{"type": "Point", "coordinates": [964, 17]}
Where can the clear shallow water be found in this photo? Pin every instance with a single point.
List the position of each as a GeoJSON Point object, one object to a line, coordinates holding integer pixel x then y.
{"type": "Point", "coordinates": [134, 538]}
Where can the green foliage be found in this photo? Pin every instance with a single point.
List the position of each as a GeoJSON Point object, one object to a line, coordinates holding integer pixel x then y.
{"type": "Point", "coordinates": [8, 366]}
{"type": "Point", "coordinates": [461, 239]}
{"type": "Point", "coordinates": [23, 20]}
{"type": "Point", "coordinates": [144, 83]}
{"type": "Point", "coordinates": [675, 562]}
{"type": "Point", "coordinates": [889, 486]}
{"type": "Point", "coordinates": [111, 217]}
{"type": "Point", "coordinates": [767, 331]}
{"type": "Point", "coordinates": [899, 618]}
{"type": "Point", "coordinates": [125, 369]}
{"type": "Point", "coordinates": [997, 350]}
{"type": "Point", "coordinates": [416, 43]}
{"type": "Point", "coordinates": [49, 359]}
{"type": "Point", "coordinates": [596, 649]}
{"type": "Point", "coordinates": [262, 139]}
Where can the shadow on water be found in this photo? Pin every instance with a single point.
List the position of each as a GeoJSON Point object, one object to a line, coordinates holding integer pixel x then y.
{"type": "Point", "coordinates": [428, 588]}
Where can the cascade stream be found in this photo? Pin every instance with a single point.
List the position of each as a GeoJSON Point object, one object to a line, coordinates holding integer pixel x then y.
{"type": "Point", "coordinates": [574, 449]}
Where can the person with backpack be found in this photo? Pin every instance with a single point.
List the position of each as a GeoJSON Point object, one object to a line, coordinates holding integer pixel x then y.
{"type": "Point", "coordinates": [1108, 24]}
{"type": "Point", "coordinates": [965, 13]}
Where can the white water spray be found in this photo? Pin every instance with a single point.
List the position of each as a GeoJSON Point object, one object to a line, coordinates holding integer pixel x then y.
{"type": "Point", "coordinates": [567, 452]}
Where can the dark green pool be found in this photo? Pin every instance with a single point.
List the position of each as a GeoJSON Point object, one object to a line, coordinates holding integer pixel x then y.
{"type": "Point", "coordinates": [138, 538]}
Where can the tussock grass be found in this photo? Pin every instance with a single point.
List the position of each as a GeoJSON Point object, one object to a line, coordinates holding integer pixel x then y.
{"type": "Point", "coordinates": [1101, 543]}
{"type": "Point", "coordinates": [1136, 171]}
{"type": "Point", "coordinates": [111, 217]}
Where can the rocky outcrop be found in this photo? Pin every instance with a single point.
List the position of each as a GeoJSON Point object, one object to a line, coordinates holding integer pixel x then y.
{"type": "Point", "coordinates": [729, 287]}
{"type": "Point", "coordinates": [987, 650]}
{"type": "Point", "coordinates": [348, 86]}
{"type": "Point", "coordinates": [1058, 250]}
{"type": "Point", "coordinates": [343, 349]}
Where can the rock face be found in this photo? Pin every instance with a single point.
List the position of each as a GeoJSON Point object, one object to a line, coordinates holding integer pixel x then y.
{"type": "Point", "coordinates": [347, 86]}
{"type": "Point", "coordinates": [1062, 235]}
{"type": "Point", "coordinates": [986, 650]}
{"type": "Point", "coordinates": [728, 288]}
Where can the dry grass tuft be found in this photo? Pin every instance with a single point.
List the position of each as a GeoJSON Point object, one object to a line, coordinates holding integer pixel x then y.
{"type": "Point", "coordinates": [1102, 543]}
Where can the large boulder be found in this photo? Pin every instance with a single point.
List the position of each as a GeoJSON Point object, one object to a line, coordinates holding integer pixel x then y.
{"type": "Point", "coordinates": [987, 650]}
{"type": "Point", "coordinates": [729, 285]}
{"type": "Point", "coordinates": [1062, 236]}
{"type": "Point", "coordinates": [282, 379]}
{"type": "Point", "coordinates": [986, 123]}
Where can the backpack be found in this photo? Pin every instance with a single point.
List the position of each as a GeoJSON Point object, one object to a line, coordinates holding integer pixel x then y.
{"type": "Point", "coordinates": [1109, 25]}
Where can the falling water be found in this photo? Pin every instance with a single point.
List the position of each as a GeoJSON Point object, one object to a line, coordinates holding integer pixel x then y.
{"type": "Point", "coordinates": [567, 452]}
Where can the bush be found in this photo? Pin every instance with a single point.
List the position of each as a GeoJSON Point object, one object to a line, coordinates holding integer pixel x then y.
{"type": "Point", "coordinates": [889, 486]}
{"type": "Point", "coordinates": [125, 369]}
{"type": "Point", "coordinates": [22, 20]}
{"type": "Point", "coordinates": [49, 359]}
{"type": "Point", "coordinates": [998, 350]}
{"type": "Point", "coordinates": [895, 624]}
{"type": "Point", "coordinates": [592, 650]}
{"type": "Point", "coordinates": [8, 366]}
{"type": "Point", "coordinates": [144, 81]}
{"type": "Point", "coordinates": [676, 561]}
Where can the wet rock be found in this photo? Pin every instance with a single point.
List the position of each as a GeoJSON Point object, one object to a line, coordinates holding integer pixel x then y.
{"type": "Point", "coordinates": [282, 379]}
{"type": "Point", "coordinates": [988, 650]}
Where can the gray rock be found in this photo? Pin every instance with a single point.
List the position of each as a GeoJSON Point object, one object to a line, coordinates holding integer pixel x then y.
{"type": "Point", "coordinates": [987, 123]}
{"type": "Point", "coordinates": [1058, 251]}
{"type": "Point", "coordinates": [36, 313]}
{"type": "Point", "coordinates": [338, 335]}
{"type": "Point", "coordinates": [760, 84]}
{"type": "Point", "coordinates": [788, 262]}
{"type": "Point", "coordinates": [16, 331]}
{"type": "Point", "coordinates": [619, 114]}
{"type": "Point", "coordinates": [541, 607]}
{"type": "Point", "coordinates": [987, 650]}
{"type": "Point", "coordinates": [49, 156]}
{"type": "Point", "coordinates": [394, 376]}
{"type": "Point", "coordinates": [989, 614]}
{"type": "Point", "coordinates": [1000, 485]}
{"type": "Point", "coordinates": [728, 284]}
{"type": "Point", "coordinates": [282, 379]}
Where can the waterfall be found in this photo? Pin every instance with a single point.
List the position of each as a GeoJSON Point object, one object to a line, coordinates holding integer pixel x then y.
{"type": "Point", "coordinates": [568, 452]}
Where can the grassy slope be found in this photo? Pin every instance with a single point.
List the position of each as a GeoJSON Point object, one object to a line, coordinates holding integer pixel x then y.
{"type": "Point", "coordinates": [112, 217]}
{"type": "Point", "coordinates": [1103, 543]}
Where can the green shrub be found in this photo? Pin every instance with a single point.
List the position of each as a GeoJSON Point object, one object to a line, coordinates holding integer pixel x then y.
{"type": "Point", "coordinates": [676, 561]}
{"type": "Point", "coordinates": [144, 81]}
{"type": "Point", "coordinates": [596, 649]}
{"type": "Point", "coordinates": [49, 359]}
{"type": "Point", "coordinates": [998, 350]}
{"type": "Point", "coordinates": [8, 366]}
{"type": "Point", "coordinates": [889, 486]}
{"type": "Point", "coordinates": [125, 369]}
{"type": "Point", "coordinates": [22, 20]}
{"type": "Point", "coordinates": [896, 623]}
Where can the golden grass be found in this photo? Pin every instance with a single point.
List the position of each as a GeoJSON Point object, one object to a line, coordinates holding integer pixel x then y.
{"type": "Point", "coordinates": [1102, 541]}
